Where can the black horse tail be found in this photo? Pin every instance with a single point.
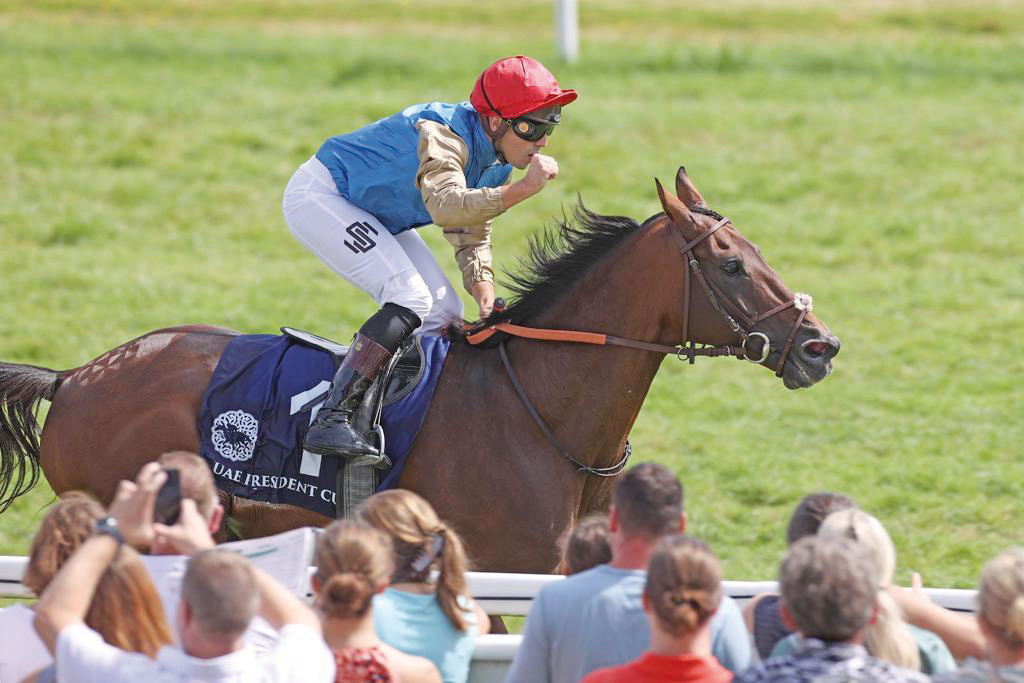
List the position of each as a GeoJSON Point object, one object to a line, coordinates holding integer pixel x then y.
{"type": "Point", "coordinates": [22, 388]}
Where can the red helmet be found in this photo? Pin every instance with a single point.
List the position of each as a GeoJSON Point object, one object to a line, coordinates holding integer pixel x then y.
{"type": "Point", "coordinates": [515, 86]}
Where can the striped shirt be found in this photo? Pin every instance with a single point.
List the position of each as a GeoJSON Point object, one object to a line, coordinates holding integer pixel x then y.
{"type": "Point", "coordinates": [816, 661]}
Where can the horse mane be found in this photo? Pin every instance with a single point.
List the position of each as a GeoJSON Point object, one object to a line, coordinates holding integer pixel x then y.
{"type": "Point", "coordinates": [555, 258]}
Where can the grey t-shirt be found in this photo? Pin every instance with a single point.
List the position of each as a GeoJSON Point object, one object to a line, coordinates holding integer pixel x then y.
{"type": "Point", "coordinates": [596, 619]}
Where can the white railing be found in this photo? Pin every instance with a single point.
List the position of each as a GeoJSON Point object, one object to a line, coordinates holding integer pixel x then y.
{"type": "Point", "coordinates": [11, 571]}
{"type": "Point", "coordinates": [511, 594]}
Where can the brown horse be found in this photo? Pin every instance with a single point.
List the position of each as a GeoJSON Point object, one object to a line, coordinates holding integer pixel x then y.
{"type": "Point", "coordinates": [479, 458]}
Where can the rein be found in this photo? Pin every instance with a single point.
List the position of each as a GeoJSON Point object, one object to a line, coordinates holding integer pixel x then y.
{"type": "Point", "coordinates": [686, 350]}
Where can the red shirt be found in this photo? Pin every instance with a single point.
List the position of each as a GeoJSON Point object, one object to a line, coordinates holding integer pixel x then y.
{"type": "Point", "coordinates": [652, 668]}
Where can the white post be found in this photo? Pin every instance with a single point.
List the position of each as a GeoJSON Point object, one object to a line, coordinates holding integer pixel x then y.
{"type": "Point", "coordinates": [567, 28]}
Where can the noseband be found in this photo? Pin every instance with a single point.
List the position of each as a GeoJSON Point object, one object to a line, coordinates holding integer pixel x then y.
{"type": "Point", "coordinates": [688, 349]}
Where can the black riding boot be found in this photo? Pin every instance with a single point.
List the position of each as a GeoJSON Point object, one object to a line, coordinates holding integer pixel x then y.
{"type": "Point", "coordinates": [332, 433]}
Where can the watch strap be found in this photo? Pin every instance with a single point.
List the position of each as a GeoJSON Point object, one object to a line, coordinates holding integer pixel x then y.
{"type": "Point", "coordinates": [108, 526]}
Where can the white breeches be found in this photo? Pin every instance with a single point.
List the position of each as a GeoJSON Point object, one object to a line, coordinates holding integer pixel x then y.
{"type": "Point", "coordinates": [391, 268]}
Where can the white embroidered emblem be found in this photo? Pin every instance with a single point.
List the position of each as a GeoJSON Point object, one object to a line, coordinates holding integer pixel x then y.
{"type": "Point", "coordinates": [234, 435]}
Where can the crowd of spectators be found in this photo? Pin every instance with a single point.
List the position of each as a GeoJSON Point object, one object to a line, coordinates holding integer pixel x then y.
{"type": "Point", "coordinates": [642, 601]}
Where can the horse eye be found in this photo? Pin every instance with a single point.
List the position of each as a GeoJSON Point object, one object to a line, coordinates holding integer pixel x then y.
{"type": "Point", "coordinates": [733, 267]}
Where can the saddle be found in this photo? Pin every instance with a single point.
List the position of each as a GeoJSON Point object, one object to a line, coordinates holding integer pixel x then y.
{"type": "Point", "coordinates": [399, 377]}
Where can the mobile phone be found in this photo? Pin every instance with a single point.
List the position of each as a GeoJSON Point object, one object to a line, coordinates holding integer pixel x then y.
{"type": "Point", "coordinates": [168, 499]}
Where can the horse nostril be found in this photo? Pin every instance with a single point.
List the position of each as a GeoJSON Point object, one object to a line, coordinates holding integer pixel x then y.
{"type": "Point", "coordinates": [820, 349]}
{"type": "Point", "coordinates": [815, 348]}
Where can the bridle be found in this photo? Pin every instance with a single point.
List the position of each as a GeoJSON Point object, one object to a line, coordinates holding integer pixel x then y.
{"type": "Point", "coordinates": [802, 302]}
{"type": "Point", "coordinates": [688, 349]}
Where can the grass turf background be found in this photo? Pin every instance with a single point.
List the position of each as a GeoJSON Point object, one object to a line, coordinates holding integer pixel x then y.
{"type": "Point", "coordinates": [871, 149]}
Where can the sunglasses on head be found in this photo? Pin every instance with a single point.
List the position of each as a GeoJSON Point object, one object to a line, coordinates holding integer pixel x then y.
{"type": "Point", "coordinates": [530, 130]}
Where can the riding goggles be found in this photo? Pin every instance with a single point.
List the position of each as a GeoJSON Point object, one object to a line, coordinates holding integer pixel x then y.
{"type": "Point", "coordinates": [531, 130]}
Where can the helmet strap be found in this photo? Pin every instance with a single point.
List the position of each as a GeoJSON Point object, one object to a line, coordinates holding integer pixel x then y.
{"type": "Point", "coordinates": [495, 135]}
{"type": "Point", "coordinates": [483, 91]}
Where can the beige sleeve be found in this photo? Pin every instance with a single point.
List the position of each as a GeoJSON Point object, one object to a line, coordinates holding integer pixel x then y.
{"type": "Point", "coordinates": [472, 252]}
{"type": "Point", "coordinates": [442, 180]}
{"type": "Point", "coordinates": [464, 214]}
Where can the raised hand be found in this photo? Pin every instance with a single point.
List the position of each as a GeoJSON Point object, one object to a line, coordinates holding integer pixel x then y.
{"type": "Point", "coordinates": [133, 503]}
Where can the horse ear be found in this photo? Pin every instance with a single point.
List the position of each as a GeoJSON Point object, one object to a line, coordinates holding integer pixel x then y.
{"type": "Point", "coordinates": [674, 208]}
{"type": "Point", "coordinates": [686, 190]}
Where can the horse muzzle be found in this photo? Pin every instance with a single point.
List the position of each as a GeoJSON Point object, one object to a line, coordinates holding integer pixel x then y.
{"type": "Point", "coordinates": [811, 362]}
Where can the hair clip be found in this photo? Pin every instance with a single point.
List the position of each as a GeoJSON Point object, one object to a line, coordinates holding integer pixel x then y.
{"type": "Point", "coordinates": [426, 557]}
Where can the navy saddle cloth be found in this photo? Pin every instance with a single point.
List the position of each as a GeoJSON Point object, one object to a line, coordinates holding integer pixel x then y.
{"type": "Point", "coordinates": [263, 396]}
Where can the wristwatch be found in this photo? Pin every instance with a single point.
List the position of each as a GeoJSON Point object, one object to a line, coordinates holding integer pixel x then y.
{"type": "Point", "coordinates": [108, 526]}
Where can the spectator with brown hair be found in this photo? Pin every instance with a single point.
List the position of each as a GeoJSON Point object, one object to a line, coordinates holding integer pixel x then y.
{"type": "Point", "coordinates": [125, 611]}
{"type": "Point", "coordinates": [220, 593]}
{"type": "Point", "coordinates": [683, 590]}
{"type": "Point", "coordinates": [353, 564]}
{"type": "Point", "coordinates": [416, 614]}
{"type": "Point", "coordinates": [764, 620]}
{"type": "Point", "coordinates": [595, 619]}
{"type": "Point", "coordinates": [588, 545]}
{"type": "Point", "coordinates": [196, 485]}
{"type": "Point", "coordinates": [1000, 618]}
{"type": "Point", "coordinates": [830, 596]}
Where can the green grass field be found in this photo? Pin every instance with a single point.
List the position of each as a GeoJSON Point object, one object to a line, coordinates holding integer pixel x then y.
{"type": "Point", "coordinates": [871, 149]}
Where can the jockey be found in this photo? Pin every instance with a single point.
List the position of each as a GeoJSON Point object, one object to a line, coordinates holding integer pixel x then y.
{"type": "Point", "coordinates": [356, 201]}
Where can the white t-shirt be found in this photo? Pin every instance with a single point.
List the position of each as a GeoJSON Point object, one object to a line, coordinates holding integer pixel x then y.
{"type": "Point", "coordinates": [167, 573]}
{"type": "Point", "coordinates": [21, 651]}
{"type": "Point", "coordinates": [299, 655]}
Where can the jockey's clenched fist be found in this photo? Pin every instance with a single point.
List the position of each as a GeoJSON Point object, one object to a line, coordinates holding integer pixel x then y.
{"type": "Point", "coordinates": [542, 169]}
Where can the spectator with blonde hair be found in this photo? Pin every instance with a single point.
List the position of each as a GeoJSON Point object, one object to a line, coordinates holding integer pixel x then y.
{"type": "Point", "coordinates": [889, 637]}
{"type": "Point", "coordinates": [1001, 621]}
{"type": "Point", "coordinates": [125, 611]}
{"type": "Point", "coordinates": [416, 614]}
{"type": "Point", "coordinates": [353, 564]}
{"type": "Point", "coordinates": [588, 545]}
{"type": "Point", "coordinates": [682, 592]}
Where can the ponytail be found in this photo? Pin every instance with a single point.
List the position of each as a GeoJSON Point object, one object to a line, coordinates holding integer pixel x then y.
{"type": "Point", "coordinates": [346, 595]}
{"type": "Point", "coordinates": [684, 584]}
{"type": "Point", "coordinates": [353, 562]}
{"type": "Point", "coordinates": [889, 638]}
{"type": "Point", "coordinates": [451, 580]}
{"type": "Point", "coordinates": [422, 543]}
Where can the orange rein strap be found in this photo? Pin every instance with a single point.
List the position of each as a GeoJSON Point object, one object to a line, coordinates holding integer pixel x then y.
{"type": "Point", "coordinates": [537, 333]}
{"type": "Point", "coordinates": [598, 339]}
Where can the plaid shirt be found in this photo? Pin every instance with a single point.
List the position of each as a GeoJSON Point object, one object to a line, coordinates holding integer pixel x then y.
{"type": "Point", "coordinates": [815, 661]}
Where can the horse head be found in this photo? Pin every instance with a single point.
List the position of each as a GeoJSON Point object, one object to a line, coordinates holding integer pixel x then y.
{"type": "Point", "coordinates": [737, 296]}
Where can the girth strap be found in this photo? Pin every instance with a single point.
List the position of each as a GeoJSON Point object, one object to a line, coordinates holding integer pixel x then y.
{"type": "Point", "coordinates": [610, 471]}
